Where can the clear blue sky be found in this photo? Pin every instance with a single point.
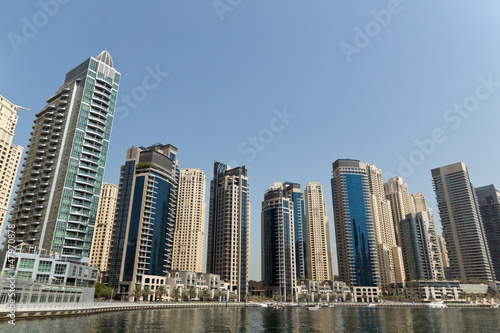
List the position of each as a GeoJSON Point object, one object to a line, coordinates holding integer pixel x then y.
{"type": "Point", "coordinates": [362, 80]}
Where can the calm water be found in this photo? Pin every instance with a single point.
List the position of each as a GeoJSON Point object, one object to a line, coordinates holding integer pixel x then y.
{"type": "Point", "coordinates": [270, 320]}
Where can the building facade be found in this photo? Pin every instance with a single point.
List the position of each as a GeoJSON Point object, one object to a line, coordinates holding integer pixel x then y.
{"type": "Point", "coordinates": [189, 238]}
{"type": "Point", "coordinates": [278, 242]}
{"type": "Point", "coordinates": [396, 191]}
{"type": "Point", "coordinates": [415, 247]}
{"type": "Point", "coordinates": [293, 192]}
{"type": "Point", "coordinates": [103, 233]}
{"type": "Point", "coordinates": [443, 253]}
{"type": "Point", "coordinates": [462, 226]}
{"type": "Point", "coordinates": [489, 205]}
{"type": "Point", "coordinates": [58, 195]}
{"type": "Point", "coordinates": [318, 234]}
{"type": "Point", "coordinates": [145, 219]}
{"type": "Point", "coordinates": [10, 156]}
{"type": "Point", "coordinates": [229, 227]}
{"type": "Point", "coordinates": [354, 224]}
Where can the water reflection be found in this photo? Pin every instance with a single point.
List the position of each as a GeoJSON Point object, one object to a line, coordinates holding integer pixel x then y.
{"type": "Point", "coordinates": [336, 319]}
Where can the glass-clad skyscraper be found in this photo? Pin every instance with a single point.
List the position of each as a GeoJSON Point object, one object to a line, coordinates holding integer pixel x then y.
{"type": "Point", "coordinates": [145, 219]}
{"type": "Point", "coordinates": [354, 224]}
{"type": "Point", "coordinates": [278, 242]}
{"type": "Point", "coordinates": [293, 192]}
{"type": "Point", "coordinates": [229, 227]}
{"type": "Point", "coordinates": [58, 195]}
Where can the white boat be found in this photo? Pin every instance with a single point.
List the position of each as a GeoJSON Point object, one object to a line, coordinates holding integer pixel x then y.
{"type": "Point", "coordinates": [313, 308]}
{"type": "Point", "coordinates": [331, 305]}
{"type": "Point", "coordinates": [263, 305]}
{"type": "Point", "coordinates": [494, 306]}
{"type": "Point", "coordinates": [436, 305]}
{"type": "Point", "coordinates": [372, 305]}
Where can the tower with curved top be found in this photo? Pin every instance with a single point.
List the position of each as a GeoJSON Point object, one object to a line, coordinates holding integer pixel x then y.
{"type": "Point", "coordinates": [58, 196]}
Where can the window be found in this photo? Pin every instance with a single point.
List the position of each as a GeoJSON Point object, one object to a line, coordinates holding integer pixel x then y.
{"type": "Point", "coordinates": [60, 269]}
{"type": "Point", "coordinates": [27, 263]}
{"type": "Point", "coordinates": [44, 266]}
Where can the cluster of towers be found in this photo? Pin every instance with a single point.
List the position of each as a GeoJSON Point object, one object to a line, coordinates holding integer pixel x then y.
{"type": "Point", "coordinates": [153, 222]}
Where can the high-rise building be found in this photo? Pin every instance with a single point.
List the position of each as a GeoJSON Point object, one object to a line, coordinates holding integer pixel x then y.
{"type": "Point", "coordinates": [489, 206]}
{"type": "Point", "coordinates": [103, 233]}
{"type": "Point", "coordinates": [58, 196]}
{"type": "Point", "coordinates": [278, 242]}
{"type": "Point", "coordinates": [462, 226]}
{"type": "Point", "coordinates": [396, 191]}
{"type": "Point", "coordinates": [293, 192]}
{"type": "Point", "coordinates": [318, 234]}
{"type": "Point", "coordinates": [420, 263]}
{"type": "Point", "coordinates": [418, 203]}
{"type": "Point", "coordinates": [145, 219]}
{"type": "Point", "coordinates": [189, 238]}
{"type": "Point", "coordinates": [10, 157]}
{"type": "Point", "coordinates": [443, 252]}
{"type": "Point", "coordinates": [390, 257]}
{"type": "Point", "coordinates": [229, 227]}
{"type": "Point", "coordinates": [354, 224]}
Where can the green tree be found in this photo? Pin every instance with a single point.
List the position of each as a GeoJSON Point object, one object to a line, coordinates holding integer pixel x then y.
{"type": "Point", "coordinates": [176, 294]}
{"type": "Point", "coordinates": [145, 293]}
{"type": "Point", "coordinates": [289, 297]}
{"type": "Point", "coordinates": [205, 295]}
{"type": "Point", "coordinates": [348, 297]}
{"type": "Point", "coordinates": [137, 292]}
{"type": "Point", "coordinates": [275, 296]}
{"type": "Point", "coordinates": [220, 294]}
{"type": "Point", "coordinates": [191, 293]}
{"type": "Point", "coordinates": [160, 292]}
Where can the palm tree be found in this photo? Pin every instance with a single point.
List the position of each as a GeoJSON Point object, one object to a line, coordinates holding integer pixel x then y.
{"type": "Point", "coordinates": [191, 293]}
{"type": "Point", "coordinates": [137, 292]}
{"type": "Point", "coordinates": [220, 294]}
{"type": "Point", "coordinates": [160, 292]}
{"type": "Point", "coordinates": [145, 293]}
{"type": "Point", "coordinates": [176, 294]}
{"type": "Point", "coordinates": [205, 294]}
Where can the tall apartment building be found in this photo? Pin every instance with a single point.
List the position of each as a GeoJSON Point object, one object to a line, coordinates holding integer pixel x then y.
{"type": "Point", "coordinates": [489, 206]}
{"type": "Point", "coordinates": [462, 227]}
{"type": "Point", "coordinates": [189, 237]}
{"type": "Point", "coordinates": [293, 192]}
{"type": "Point", "coordinates": [396, 191]}
{"type": "Point", "coordinates": [318, 234]}
{"type": "Point", "coordinates": [443, 252]}
{"type": "Point", "coordinates": [278, 242]}
{"type": "Point", "coordinates": [58, 196]}
{"type": "Point", "coordinates": [10, 155]}
{"type": "Point", "coordinates": [103, 233]}
{"type": "Point", "coordinates": [354, 224]}
{"type": "Point", "coordinates": [391, 266]}
{"type": "Point", "coordinates": [422, 260]}
{"type": "Point", "coordinates": [146, 215]}
{"type": "Point", "coordinates": [229, 227]}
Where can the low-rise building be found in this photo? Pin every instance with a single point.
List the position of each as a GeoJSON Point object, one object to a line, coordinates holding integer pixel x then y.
{"type": "Point", "coordinates": [365, 294]}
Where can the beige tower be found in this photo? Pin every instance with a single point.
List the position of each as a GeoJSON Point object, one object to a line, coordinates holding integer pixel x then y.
{"type": "Point", "coordinates": [104, 227]}
{"type": "Point", "coordinates": [11, 154]}
{"type": "Point", "coordinates": [318, 234]}
{"type": "Point", "coordinates": [189, 237]}
{"type": "Point", "coordinates": [396, 191]}
{"type": "Point", "coordinates": [391, 265]}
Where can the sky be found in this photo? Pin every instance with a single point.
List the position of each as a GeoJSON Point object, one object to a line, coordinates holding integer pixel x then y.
{"type": "Point", "coordinates": [283, 87]}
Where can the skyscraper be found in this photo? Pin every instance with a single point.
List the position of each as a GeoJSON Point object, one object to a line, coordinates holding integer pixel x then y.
{"type": "Point", "coordinates": [10, 157]}
{"type": "Point", "coordinates": [293, 192]}
{"type": "Point", "coordinates": [56, 204]}
{"type": "Point", "coordinates": [396, 191]}
{"type": "Point", "coordinates": [318, 234]}
{"type": "Point", "coordinates": [489, 206]}
{"type": "Point", "coordinates": [462, 226]}
{"type": "Point", "coordinates": [145, 220]}
{"type": "Point", "coordinates": [354, 224]}
{"type": "Point", "coordinates": [104, 227]}
{"type": "Point", "coordinates": [443, 252]}
{"type": "Point", "coordinates": [229, 227]}
{"type": "Point", "coordinates": [416, 248]}
{"type": "Point", "coordinates": [390, 257]}
{"type": "Point", "coordinates": [189, 238]}
{"type": "Point", "coordinates": [278, 242]}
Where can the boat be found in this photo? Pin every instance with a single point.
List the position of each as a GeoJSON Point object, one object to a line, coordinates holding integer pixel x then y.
{"type": "Point", "coordinates": [331, 305]}
{"type": "Point", "coordinates": [263, 305]}
{"type": "Point", "coordinates": [436, 305]}
{"type": "Point", "coordinates": [313, 308]}
{"type": "Point", "coordinates": [372, 305]}
{"type": "Point", "coordinates": [494, 306]}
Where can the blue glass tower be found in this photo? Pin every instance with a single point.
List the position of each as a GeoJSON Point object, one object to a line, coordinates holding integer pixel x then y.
{"type": "Point", "coordinates": [354, 224]}
{"type": "Point", "coordinates": [415, 247]}
{"type": "Point", "coordinates": [278, 257]}
{"type": "Point", "coordinates": [145, 219]}
{"type": "Point", "coordinates": [292, 191]}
